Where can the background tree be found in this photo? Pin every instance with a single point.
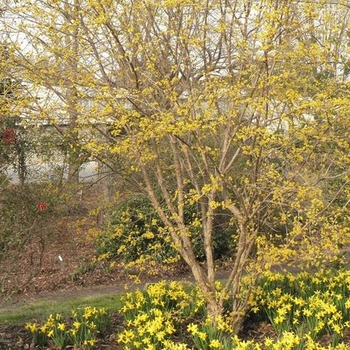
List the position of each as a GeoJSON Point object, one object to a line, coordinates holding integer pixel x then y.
{"type": "Point", "coordinates": [21, 142]}
{"type": "Point", "coordinates": [48, 65]}
{"type": "Point", "coordinates": [10, 149]}
{"type": "Point", "coordinates": [236, 106]}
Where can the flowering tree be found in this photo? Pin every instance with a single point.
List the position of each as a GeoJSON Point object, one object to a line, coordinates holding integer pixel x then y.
{"type": "Point", "coordinates": [235, 106]}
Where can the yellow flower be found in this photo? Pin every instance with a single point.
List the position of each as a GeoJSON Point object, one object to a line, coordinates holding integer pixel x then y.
{"type": "Point", "coordinates": [103, 311]}
{"type": "Point", "coordinates": [87, 313]}
{"type": "Point", "coordinates": [160, 335]}
{"type": "Point", "coordinates": [215, 344]}
{"type": "Point", "coordinates": [255, 310]}
{"type": "Point", "coordinates": [295, 321]}
{"type": "Point", "coordinates": [126, 337]}
{"type": "Point", "coordinates": [192, 328]}
{"type": "Point", "coordinates": [278, 319]}
{"type": "Point", "coordinates": [146, 340]}
{"type": "Point", "coordinates": [32, 327]}
{"type": "Point", "coordinates": [268, 342]}
{"type": "Point", "coordinates": [76, 324]}
{"type": "Point", "coordinates": [148, 235]}
{"type": "Point", "coordinates": [92, 326]}
{"type": "Point", "coordinates": [202, 336]}
{"type": "Point", "coordinates": [61, 326]}
{"type": "Point", "coordinates": [151, 347]}
{"type": "Point", "coordinates": [90, 342]}
{"type": "Point", "coordinates": [307, 313]}
{"type": "Point", "coordinates": [224, 325]}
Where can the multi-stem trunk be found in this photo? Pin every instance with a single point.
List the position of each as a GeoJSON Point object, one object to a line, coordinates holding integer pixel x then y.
{"type": "Point", "coordinates": [234, 285]}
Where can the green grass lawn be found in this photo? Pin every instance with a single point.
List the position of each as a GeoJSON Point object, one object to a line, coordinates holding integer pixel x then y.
{"type": "Point", "coordinates": [40, 309]}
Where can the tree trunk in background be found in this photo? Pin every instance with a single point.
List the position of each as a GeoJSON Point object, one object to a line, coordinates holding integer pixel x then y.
{"type": "Point", "coordinates": [105, 185]}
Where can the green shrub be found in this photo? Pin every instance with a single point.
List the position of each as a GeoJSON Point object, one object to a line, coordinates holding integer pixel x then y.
{"type": "Point", "coordinates": [135, 233]}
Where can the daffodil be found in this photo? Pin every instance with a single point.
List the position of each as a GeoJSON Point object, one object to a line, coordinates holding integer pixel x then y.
{"type": "Point", "coordinates": [215, 344]}
{"type": "Point", "coordinates": [61, 326]}
{"type": "Point", "coordinates": [76, 324]}
{"type": "Point", "coordinates": [193, 328]}
{"type": "Point", "coordinates": [32, 327]}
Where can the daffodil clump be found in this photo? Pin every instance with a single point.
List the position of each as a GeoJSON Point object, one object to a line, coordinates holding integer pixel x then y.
{"type": "Point", "coordinates": [207, 336]}
{"type": "Point", "coordinates": [171, 316]}
{"type": "Point", "coordinates": [309, 305]}
{"type": "Point", "coordinates": [306, 310]}
{"type": "Point", "coordinates": [81, 331]}
{"type": "Point", "coordinates": [291, 341]}
{"type": "Point", "coordinates": [154, 316]}
{"type": "Point", "coordinates": [302, 308]}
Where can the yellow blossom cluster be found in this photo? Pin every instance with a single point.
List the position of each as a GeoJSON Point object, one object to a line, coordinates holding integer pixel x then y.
{"type": "Point", "coordinates": [310, 305]}
{"type": "Point", "coordinates": [80, 332]}
{"type": "Point", "coordinates": [153, 315]}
